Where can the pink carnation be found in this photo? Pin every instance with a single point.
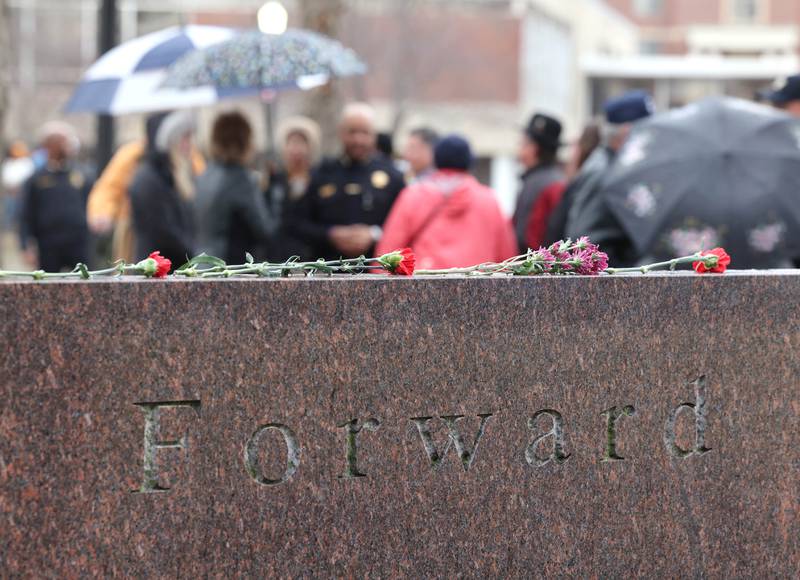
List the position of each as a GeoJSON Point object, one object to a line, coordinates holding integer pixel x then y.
{"type": "Point", "coordinates": [599, 262]}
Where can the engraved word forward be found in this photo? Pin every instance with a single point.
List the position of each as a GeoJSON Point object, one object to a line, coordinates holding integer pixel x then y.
{"type": "Point", "coordinates": [548, 444]}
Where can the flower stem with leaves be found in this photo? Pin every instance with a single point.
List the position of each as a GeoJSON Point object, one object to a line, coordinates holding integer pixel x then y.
{"type": "Point", "coordinates": [580, 257]}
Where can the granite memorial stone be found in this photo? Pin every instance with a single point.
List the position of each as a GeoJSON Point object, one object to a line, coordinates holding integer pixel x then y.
{"type": "Point", "coordinates": [374, 426]}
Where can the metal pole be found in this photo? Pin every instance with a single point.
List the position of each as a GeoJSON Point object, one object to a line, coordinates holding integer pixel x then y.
{"type": "Point", "coordinates": [270, 148]}
{"type": "Point", "coordinates": [106, 41]}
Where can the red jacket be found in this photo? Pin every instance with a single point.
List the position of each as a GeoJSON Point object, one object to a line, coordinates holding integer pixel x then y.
{"type": "Point", "coordinates": [450, 220]}
{"type": "Point", "coordinates": [540, 214]}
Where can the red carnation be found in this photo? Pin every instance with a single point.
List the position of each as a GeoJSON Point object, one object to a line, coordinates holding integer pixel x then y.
{"type": "Point", "coordinates": [154, 266]}
{"type": "Point", "coordinates": [163, 265]}
{"type": "Point", "coordinates": [716, 261]}
{"type": "Point", "coordinates": [407, 264]}
{"type": "Point", "coordinates": [400, 262]}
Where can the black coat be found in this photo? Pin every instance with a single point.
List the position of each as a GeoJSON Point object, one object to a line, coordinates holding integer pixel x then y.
{"type": "Point", "coordinates": [232, 217]}
{"type": "Point", "coordinates": [534, 182]}
{"type": "Point", "coordinates": [162, 219]}
{"type": "Point", "coordinates": [343, 192]}
{"type": "Point", "coordinates": [54, 215]}
{"type": "Point", "coordinates": [587, 179]}
{"type": "Point", "coordinates": [589, 215]}
{"type": "Point", "coordinates": [283, 203]}
{"type": "Point", "coordinates": [54, 206]}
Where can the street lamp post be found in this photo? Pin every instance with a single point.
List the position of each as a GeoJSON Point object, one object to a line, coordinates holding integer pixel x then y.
{"type": "Point", "coordinates": [107, 39]}
{"type": "Point", "coordinates": [273, 18]}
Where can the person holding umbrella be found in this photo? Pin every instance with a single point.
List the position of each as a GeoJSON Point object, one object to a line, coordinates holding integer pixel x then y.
{"type": "Point", "coordinates": [163, 190]}
{"type": "Point", "coordinates": [581, 206]}
{"type": "Point", "coordinates": [620, 114]}
{"type": "Point", "coordinates": [127, 80]}
{"type": "Point", "coordinates": [109, 206]}
{"type": "Point", "coordinates": [721, 172]}
{"type": "Point", "coordinates": [349, 198]}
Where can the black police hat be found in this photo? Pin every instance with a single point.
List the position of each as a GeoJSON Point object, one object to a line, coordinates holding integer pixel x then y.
{"type": "Point", "coordinates": [629, 108]}
{"type": "Point", "coordinates": [545, 131]}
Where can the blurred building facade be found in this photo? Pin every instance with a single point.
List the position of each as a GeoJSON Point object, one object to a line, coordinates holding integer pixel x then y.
{"type": "Point", "coordinates": [477, 67]}
{"type": "Point", "coordinates": [690, 49]}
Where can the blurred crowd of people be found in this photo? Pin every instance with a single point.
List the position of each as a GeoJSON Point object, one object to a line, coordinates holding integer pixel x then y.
{"type": "Point", "coordinates": [161, 193]}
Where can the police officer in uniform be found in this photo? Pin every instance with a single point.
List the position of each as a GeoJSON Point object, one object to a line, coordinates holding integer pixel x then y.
{"type": "Point", "coordinates": [54, 205]}
{"type": "Point", "coordinates": [349, 198]}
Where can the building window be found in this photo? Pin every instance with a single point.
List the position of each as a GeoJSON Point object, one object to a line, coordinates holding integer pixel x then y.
{"type": "Point", "coordinates": [651, 47]}
{"type": "Point", "coordinates": [745, 11]}
{"type": "Point", "coordinates": [648, 8]}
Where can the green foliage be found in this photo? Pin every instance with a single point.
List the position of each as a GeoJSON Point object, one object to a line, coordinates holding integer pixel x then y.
{"type": "Point", "coordinates": [203, 260]}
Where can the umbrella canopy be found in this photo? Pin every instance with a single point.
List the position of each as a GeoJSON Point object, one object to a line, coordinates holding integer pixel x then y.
{"type": "Point", "coordinates": [720, 172]}
{"type": "Point", "coordinates": [128, 78]}
{"type": "Point", "coordinates": [253, 60]}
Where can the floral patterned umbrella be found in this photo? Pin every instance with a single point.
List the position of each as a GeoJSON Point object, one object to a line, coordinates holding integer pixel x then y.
{"type": "Point", "coordinates": [254, 61]}
{"type": "Point", "coordinates": [720, 172]}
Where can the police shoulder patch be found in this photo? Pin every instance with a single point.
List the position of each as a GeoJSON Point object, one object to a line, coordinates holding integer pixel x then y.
{"type": "Point", "coordinates": [352, 189]}
{"type": "Point", "coordinates": [327, 190]}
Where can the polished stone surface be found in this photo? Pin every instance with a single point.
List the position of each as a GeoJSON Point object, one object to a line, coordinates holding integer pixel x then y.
{"type": "Point", "coordinates": [266, 377]}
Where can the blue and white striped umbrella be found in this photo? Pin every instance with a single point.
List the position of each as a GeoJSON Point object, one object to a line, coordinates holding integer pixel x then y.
{"type": "Point", "coordinates": [128, 79]}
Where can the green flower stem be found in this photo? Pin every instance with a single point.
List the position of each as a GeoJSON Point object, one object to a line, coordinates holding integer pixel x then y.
{"type": "Point", "coordinates": [117, 270]}
{"type": "Point", "coordinates": [480, 270]}
{"type": "Point", "coordinates": [17, 274]}
{"type": "Point", "coordinates": [671, 264]}
{"type": "Point", "coordinates": [268, 268]}
{"type": "Point", "coordinates": [485, 268]}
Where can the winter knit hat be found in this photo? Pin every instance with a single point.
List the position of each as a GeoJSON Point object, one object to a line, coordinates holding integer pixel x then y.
{"type": "Point", "coordinates": [171, 128]}
{"type": "Point", "coordinates": [453, 152]}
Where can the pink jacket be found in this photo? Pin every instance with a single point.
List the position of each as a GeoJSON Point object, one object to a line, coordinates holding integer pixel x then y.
{"type": "Point", "coordinates": [450, 220]}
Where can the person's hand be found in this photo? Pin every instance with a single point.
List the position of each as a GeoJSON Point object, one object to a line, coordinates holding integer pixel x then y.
{"type": "Point", "coordinates": [360, 239]}
{"type": "Point", "coordinates": [101, 225]}
{"type": "Point", "coordinates": [351, 240]}
{"type": "Point", "coordinates": [338, 236]}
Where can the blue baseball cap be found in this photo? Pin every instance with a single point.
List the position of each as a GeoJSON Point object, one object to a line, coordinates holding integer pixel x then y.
{"type": "Point", "coordinates": [786, 91]}
{"type": "Point", "coordinates": [628, 108]}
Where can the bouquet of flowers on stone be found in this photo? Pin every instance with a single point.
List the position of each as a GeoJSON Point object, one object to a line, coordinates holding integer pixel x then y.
{"type": "Point", "coordinates": [564, 258]}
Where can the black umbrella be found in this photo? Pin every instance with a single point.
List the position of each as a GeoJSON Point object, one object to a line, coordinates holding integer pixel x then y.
{"type": "Point", "coordinates": [720, 172]}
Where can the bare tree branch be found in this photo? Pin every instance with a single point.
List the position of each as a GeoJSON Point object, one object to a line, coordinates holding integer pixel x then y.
{"type": "Point", "coordinates": [323, 105]}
